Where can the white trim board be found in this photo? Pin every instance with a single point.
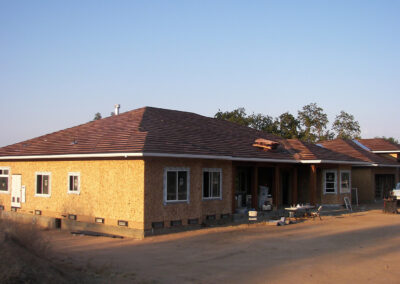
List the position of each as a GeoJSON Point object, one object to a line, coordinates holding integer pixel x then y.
{"type": "Point", "coordinates": [189, 156]}
{"type": "Point", "coordinates": [386, 152]}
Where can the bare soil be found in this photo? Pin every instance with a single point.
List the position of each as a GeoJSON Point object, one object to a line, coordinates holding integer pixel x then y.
{"type": "Point", "coordinates": [361, 247]}
{"type": "Point", "coordinates": [25, 257]}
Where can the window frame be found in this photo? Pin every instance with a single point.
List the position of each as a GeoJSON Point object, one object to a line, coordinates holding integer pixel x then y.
{"type": "Point", "coordinates": [349, 189]}
{"type": "Point", "coordinates": [165, 183]}
{"type": "Point", "coordinates": [36, 185]}
{"type": "Point", "coordinates": [335, 183]}
{"type": "Point", "coordinates": [74, 174]}
{"type": "Point", "coordinates": [212, 170]}
{"type": "Point", "coordinates": [8, 180]}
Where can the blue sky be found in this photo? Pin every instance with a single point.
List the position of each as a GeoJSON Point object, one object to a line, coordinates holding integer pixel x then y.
{"type": "Point", "coordinates": [63, 61]}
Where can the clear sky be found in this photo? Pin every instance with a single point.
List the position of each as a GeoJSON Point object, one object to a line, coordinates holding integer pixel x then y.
{"type": "Point", "coordinates": [63, 61]}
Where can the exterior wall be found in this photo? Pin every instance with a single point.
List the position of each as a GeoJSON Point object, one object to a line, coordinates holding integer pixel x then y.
{"type": "Point", "coordinates": [109, 189]}
{"type": "Point", "coordinates": [155, 209]}
{"type": "Point", "coordinates": [331, 198]}
{"type": "Point", "coordinates": [363, 180]}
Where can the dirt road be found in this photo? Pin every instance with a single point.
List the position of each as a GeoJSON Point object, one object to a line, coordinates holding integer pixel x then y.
{"type": "Point", "coordinates": [358, 248]}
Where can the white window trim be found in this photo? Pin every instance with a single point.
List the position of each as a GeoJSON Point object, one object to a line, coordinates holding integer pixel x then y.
{"type": "Point", "coordinates": [324, 181]}
{"type": "Point", "coordinates": [78, 174]}
{"type": "Point", "coordinates": [173, 169]}
{"type": "Point", "coordinates": [341, 189]}
{"type": "Point", "coordinates": [214, 170]}
{"type": "Point", "coordinates": [9, 180]}
{"type": "Point", "coordinates": [42, 194]}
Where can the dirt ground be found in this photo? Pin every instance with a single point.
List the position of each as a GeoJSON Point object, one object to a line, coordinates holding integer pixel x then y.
{"type": "Point", "coordinates": [361, 247]}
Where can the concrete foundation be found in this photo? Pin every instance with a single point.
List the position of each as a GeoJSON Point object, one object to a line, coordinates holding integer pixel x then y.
{"type": "Point", "coordinates": [70, 225]}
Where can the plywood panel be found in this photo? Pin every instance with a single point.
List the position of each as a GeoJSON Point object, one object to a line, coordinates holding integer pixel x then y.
{"type": "Point", "coordinates": [156, 211]}
{"type": "Point", "coordinates": [111, 189]}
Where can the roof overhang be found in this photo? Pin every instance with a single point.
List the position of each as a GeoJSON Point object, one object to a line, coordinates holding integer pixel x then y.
{"type": "Point", "coordinates": [175, 155]}
{"type": "Point", "coordinates": [72, 156]}
{"type": "Point", "coordinates": [385, 165]}
{"type": "Point", "coordinates": [380, 165]}
{"type": "Point", "coordinates": [386, 152]}
{"type": "Point", "coordinates": [335, 162]}
{"type": "Point", "coordinates": [143, 154]}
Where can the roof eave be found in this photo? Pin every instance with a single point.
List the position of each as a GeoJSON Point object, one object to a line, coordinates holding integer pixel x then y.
{"type": "Point", "coordinates": [386, 152]}
{"type": "Point", "coordinates": [334, 162]}
{"type": "Point", "coordinates": [175, 155]}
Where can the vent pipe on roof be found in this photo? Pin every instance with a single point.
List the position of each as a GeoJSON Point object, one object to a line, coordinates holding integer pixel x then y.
{"type": "Point", "coordinates": [117, 106]}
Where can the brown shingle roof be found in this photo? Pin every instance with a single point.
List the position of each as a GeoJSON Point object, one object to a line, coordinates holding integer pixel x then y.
{"type": "Point", "coordinates": [308, 151]}
{"type": "Point", "coordinates": [155, 130]}
{"type": "Point", "coordinates": [351, 149]}
{"type": "Point", "coordinates": [379, 144]}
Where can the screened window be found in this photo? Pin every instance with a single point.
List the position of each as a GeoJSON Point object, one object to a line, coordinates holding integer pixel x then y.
{"type": "Point", "coordinates": [330, 181]}
{"type": "Point", "coordinates": [176, 184]}
{"type": "Point", "coordinates": [74, 183]}
{"type": "Point", "coordinates": [4, 179]}
{"type": "Point", "coordinates": [212, 183]}
{"type": "Point", "coordinates": [43, 184]}
{"type": "Point", "coordinates": [345, 181]}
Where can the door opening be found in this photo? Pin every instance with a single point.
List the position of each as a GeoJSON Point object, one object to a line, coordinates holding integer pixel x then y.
{"type": "Point", "coordinates": [16, 191]}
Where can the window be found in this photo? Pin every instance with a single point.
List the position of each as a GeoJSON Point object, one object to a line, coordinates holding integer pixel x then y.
{"type": "Point", "coordinates": [212, 183]}
{"type": "Point", "coordinates": [345, 181]}
{"type": "Point", "coordinates": [4, 180]}
{"type": "Point", "coordinates": [176, 184]}
{"type": "Point", "coordinates": [330, 181]}
{"type": "Point", "coordinates": [74, 183]}
{"type": "Point", "coordinates": [43, 184]}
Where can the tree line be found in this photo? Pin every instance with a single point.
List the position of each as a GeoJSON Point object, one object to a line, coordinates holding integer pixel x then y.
{"type": "Point", "coordinates": [310, 124]}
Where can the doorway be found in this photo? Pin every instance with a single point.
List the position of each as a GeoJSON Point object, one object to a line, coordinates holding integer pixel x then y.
{"type": "Point", "coordinates": [16, 191]}
{"type": "Point", "coordinates": [243, 187]}
{"type": "Point", "coordinates": [383, 185]}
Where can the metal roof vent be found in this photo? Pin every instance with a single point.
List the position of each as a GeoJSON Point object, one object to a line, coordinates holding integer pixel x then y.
{"type": "Point", "coordinates": [116, 111]}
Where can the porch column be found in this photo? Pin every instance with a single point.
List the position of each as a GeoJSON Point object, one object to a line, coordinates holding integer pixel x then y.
{"type": "Point", "coordinates": [233, 188]}
{"type": "Point", "coordinates": [313, 184]}
{"type": "Point", "coordinates": [254, 188]}
{"type": "Point", "coordinates": [294, 186]}
{"type": "Point", "coordinates": [277, 188]}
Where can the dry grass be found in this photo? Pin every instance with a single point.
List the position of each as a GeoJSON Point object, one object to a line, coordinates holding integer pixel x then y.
{"type": "Point", "coordinates": [26, 257]}
{"type": "Point", "coordinates": [27, 236]}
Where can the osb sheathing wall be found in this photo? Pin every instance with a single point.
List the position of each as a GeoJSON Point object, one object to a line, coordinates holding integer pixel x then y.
{"type": "Point", "coordinates": [363, 180]}
{"type": "Point", "coordinates": [110, 189]}
{"type": "Point", "coordinates": [157, 211]}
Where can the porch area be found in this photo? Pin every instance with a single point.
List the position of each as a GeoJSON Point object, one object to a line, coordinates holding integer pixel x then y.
{"type": "Point", "coordinates": [266, 186]}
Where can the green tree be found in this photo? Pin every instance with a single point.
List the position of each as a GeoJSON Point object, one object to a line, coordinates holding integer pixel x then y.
{"type": "Point", "coordinates": [97, 116]}
{"type": "Point", "coordinates": [258, 121]}
{"type": "Point", "coordinates": [313, 123]}
{"type": "Point", "coordinates": [264, 123]}
{"type": "Point", "coordinates": [288, 126]}
{"type": "Point", "coordinates": [238, 116]}
{"type": "Point", "coordinates": [346, 127]}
